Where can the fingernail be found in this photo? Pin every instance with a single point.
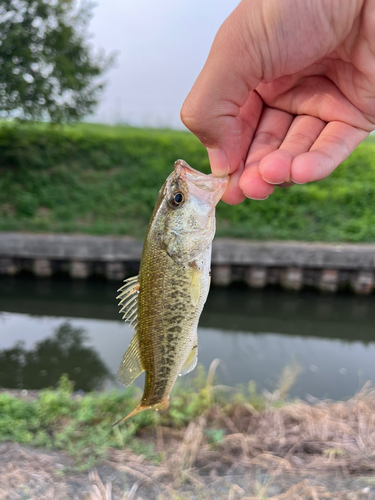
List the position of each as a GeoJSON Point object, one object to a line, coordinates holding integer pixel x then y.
{"type": "Point", "coordinates": [218, 161]}
{"type": "Point", "coordinates": [256, 199]}
{"type": "Point", "coordinates": [295, 182]}
{"type": "Point", "coordinates": [273, 183]}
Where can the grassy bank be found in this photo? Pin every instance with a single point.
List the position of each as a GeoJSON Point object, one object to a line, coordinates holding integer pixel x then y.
{"type": "Point", "coordinates": [213, 443]}
{"type": "Point", "coordinates": [104, 180]}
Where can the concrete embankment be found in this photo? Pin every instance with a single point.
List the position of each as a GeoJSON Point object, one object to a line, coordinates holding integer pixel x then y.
{"type": "Point", "coordinates": [293, 265]}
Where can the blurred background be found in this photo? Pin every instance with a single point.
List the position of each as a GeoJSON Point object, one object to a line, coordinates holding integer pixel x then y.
{"type": "Point", "coordinates": [89, 105]}
{"type": "Point", "coordinates": [161, 47]}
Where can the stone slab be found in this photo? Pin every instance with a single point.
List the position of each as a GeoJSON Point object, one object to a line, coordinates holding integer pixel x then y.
{"type": "Point", "coordinates": [225, 251]}
{"type": "Point", "coordinates": [70, 247]}
{"type": "Point", "coordinates": [295, 254]}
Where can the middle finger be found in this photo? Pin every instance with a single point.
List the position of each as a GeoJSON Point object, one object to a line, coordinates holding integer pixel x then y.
{"type": "Point", "coordinates": [272, 128]}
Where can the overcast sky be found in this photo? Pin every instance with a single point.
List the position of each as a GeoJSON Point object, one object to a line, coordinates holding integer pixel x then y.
{"type": "Point", "coordinates": [162, 45]}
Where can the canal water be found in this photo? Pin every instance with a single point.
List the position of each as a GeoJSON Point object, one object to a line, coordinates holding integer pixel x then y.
{"type": "Point", "coordinates": [52, 327]}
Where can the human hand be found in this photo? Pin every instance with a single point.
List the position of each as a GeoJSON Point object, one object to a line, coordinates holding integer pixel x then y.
{"type": "Point", "coordinates": [286, 94]}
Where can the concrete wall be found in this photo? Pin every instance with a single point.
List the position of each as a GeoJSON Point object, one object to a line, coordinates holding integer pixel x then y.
{"type": "Point", "coordinates": [290, 264]}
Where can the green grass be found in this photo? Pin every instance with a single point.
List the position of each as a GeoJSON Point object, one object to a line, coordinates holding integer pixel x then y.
{"type": "Point", "coordinates": [82, 425]}
{"type": "Point", "coordinates": [99, 179]}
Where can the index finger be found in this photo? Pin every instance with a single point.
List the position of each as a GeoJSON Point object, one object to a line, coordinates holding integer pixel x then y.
{"type": "Point", "coordinates": [213, 108]}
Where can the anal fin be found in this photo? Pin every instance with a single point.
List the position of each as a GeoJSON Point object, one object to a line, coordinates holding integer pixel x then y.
{"type": "Point", "coordinates": [191, 360]}
{"type": "Point", "coordinates": [131, 365]}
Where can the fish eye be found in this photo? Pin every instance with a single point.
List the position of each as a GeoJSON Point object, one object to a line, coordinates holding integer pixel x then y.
{"type": "Point", "coordinates": [177, 199]}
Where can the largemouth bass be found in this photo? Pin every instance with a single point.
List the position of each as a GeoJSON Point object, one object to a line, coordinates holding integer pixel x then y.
{"type": "Point", "coordinates": [164, 302]}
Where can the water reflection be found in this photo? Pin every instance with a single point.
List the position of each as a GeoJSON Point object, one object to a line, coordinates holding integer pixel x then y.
{"type": "Point", "coordinates": [255, 333]}
{"type": "Point", "coordinates": [306, 313]}
{"type": "Point", "coordinates": [43, 365]}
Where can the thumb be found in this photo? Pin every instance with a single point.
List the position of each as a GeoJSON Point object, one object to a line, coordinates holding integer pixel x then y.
{"type": "Point", "coordinates": [222, 94]}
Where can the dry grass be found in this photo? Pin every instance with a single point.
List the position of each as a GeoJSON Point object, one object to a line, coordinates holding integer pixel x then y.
{"type": "Point", "coordinates": [300, 437]}
{"type": "Point", "coordinates": [296, 440]}
{"type": "Point", "coordinates": [29, 474]}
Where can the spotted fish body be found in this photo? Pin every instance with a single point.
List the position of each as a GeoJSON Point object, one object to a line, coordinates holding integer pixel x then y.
{"type": "Point", "coordinates": [165, 301]}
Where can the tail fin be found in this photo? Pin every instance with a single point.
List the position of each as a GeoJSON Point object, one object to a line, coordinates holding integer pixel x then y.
{"type": "Point", "coordinates": [163, 405]}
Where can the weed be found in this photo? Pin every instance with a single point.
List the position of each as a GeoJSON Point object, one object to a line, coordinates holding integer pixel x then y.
{"type": "Point", "coordinates": [82, 425]}
{"type": "Point", "coordinates": [215, 435]}
{"type": "Point", "coordinates": [287, 379]}
{"type": "Point", "coordinates": [295, 439]}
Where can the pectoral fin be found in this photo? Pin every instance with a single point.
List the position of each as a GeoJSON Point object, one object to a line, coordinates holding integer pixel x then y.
{"type": "Point", "coordinates": [129, 300]}
{"type": "Point", "coordinates": [192, 359]}
{"type": "Point", "coordinates": [195, 286]}
{"type": "Point", "coordinates": [131, 365]}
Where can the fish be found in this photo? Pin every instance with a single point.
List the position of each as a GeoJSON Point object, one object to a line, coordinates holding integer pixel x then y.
{"type": "Point", "coordinates": [164, 302]}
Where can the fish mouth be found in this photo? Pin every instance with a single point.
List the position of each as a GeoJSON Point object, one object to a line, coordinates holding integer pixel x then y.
{"type": "Point", "coordinates": [210, 187]}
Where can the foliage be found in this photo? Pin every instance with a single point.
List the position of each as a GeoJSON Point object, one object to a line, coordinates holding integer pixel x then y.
{"type": "Point", "coordinates": [47, 70]}
{"type": "Point", "coordinates": [104, 180]}
{"type": "Point", "coordinates": [215, 435]}
{"type": "Point", "coordinates": [82, 425]}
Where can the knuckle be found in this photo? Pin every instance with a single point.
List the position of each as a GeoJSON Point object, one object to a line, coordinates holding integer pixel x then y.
{"type": "Point", "coordinates": [190, 116]}
{"type": "Point", "coordinates": [299, 138]}
{"type": "Point", "coordinates": [267, 137]}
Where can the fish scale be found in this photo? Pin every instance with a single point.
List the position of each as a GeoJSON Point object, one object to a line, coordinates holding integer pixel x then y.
{"type": "Point", "coordinates": [172, 285]}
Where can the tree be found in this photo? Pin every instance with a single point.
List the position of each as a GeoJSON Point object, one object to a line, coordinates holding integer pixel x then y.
{"type": "Point", "coordinates": [47, 69]}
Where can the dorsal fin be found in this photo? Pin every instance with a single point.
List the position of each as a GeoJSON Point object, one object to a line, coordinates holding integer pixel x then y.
{"type": "Point", "coordinates": [129, 300]}
{"type": "Point", "coordinates": [131, 365]}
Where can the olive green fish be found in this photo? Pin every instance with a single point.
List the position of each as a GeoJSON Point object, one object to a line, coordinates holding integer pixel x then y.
{"type": "Point", "coordinates": [164, 302]}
